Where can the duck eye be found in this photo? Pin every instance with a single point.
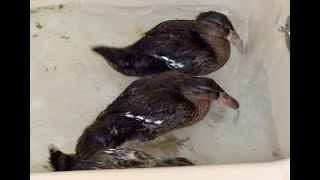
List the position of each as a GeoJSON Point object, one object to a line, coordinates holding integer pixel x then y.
{"type": "Point", "coordinates": [211, 21]}
{"type": "Point", "coordinates": [195, 92]}
{"type": "Point", "coordinates": [216, 95]}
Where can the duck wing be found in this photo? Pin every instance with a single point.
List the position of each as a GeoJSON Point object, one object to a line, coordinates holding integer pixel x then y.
{"type": "Point", "coordinates": [177, 43]}
{"type": "Point", "coordinates": [158, 105]}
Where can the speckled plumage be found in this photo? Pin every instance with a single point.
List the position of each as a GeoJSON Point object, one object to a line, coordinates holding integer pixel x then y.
{"type": "Point", "coordinates": [195, 47]}
{"type": "Point", "coordinates": [152, 106]}
{"type": "Point", "coordinates": [110, 159]}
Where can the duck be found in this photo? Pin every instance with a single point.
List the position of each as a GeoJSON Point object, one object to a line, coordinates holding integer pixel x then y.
{"type": "Point", "coordinates": [121, 158]}
{"type": "Point", "coordinates": [195, 47]}
{"type": "Point", "coordinates": [150, 107]}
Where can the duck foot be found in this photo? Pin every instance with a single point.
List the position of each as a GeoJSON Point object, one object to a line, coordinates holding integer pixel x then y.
{"type": "Point", "coordinates": [168, 144]}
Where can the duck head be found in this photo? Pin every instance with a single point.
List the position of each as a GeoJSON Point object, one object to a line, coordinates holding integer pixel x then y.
{"type": "Point", "coordinates": [216, 24]}
{"type": "Point", "coordinates": [202, 88]}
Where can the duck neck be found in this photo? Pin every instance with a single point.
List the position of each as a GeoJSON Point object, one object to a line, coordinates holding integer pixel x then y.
{"type": "Point", "coordinates": [203, 105]}
{"type": "Point", "coordinates": [220, 47]}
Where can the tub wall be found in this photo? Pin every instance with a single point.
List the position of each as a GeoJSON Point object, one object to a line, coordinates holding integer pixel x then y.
{"type": "Point", "coordinates": [269, 14]}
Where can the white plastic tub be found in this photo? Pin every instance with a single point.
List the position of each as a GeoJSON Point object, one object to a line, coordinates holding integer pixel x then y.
{"type": "Point", "coordinates": [66, 94]}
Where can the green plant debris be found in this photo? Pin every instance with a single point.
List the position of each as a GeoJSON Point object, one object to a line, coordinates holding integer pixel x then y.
{"type": "Point", "coordinates": [34, 10]}
{"type": "Point", "coordinates": [275, 154]}
{"type": "Point", "coordinates": [65, 37]}
{"type": "Point", "coordinates": [35, 35]}
{"type": "Point", "coordinates": [38, 25]}
{"type": "Point", "coordinates": [46, 167]}
{"type": "Point", "coordinates": [49, 7]}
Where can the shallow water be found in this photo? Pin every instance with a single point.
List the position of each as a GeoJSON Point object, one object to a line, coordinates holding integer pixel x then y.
{"type": "Point", "coordinates": [70, 85]}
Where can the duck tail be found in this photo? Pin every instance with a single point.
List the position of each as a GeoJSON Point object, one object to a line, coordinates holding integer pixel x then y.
{"type": "Point", "coordinates": [131, 63]}
{"type": "Point", "coordinates": [58, 160]}
{"type": "Point", "coordinates": [177, 161]}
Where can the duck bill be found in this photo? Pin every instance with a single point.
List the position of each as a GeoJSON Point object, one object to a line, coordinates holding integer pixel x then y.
{"type": "Point", "coordinates": [228, 100]}
{"type": "Point", "coordinates": [236, 41]}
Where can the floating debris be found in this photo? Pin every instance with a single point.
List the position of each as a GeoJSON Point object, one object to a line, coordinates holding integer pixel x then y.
{"type": "Point", "coordinates": [35, 35]}
{"type": "Point", "coordinates": [49, 7]}
{"type": "Point", "coordinates": [46, 167]}
{"type": "Point", "coordinates": [38, 25]}
{"type": "Point", "coordinates": [60, 6]}
{"type": "Point", "coordinates": [65, 37]}
{"type": "Point", "coordinates": [34, 10]}
{"type": "Point", "coordinates": [275, 154]}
